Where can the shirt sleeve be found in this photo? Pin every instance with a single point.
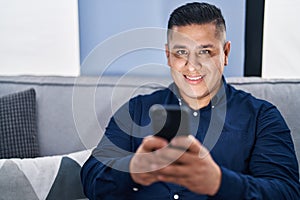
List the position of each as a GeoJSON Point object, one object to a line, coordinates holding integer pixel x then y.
{"type": "Point", "coordinates": [105, 174]}
{"type": "Point", "coordinates": [273, 169]}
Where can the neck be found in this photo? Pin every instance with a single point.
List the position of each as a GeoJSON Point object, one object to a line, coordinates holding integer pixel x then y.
{"type": "Point", "coordinates": [197, 103]}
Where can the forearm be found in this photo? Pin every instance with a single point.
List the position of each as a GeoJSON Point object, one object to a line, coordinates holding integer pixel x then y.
{"type": "Point", "coordinates": [101, 181]}
{"type": "Point", "coordinates": [238, 186]}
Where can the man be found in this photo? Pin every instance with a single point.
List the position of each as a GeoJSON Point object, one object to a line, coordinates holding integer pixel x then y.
{"type": "Point", "coordinates": [240, 147]}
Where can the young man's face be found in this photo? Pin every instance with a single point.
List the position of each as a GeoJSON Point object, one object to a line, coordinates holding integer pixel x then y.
{"type": "Point", "coordinates": [197, 56]}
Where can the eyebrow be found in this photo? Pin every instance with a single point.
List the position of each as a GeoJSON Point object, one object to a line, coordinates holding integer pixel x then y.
{"type": "Point", "coordinates": [205, 46]}
{"type": "Point", "coordinates": [179, 46]}
{"type": "Point", "coordinates": [198, 47]}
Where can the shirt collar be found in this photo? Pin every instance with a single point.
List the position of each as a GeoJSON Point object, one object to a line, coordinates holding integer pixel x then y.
{"type": "Point", "coordinates": [217, 99]}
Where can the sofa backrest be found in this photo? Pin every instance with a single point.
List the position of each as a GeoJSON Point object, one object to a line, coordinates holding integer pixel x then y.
{"type": "Point", "coordinates": [73, 112]}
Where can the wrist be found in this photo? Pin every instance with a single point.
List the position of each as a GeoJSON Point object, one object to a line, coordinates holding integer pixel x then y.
{"type": "Point", "coordinates": [217, 184]}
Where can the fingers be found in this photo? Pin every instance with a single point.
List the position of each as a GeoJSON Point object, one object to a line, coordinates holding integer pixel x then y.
{"type": "Point", "coordinates": [153, 143]}
{"type": "Point", "coordinates": [189, 143]}
{"type": "Point", "coordinates": [144, 158]}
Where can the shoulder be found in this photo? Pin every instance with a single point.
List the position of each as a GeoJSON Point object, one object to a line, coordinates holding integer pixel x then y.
{"type": "Point", "coordinates": [158, 96]}
{"type": "Point", "coordinates": [248, 105]}
{"type": "Point", "coordinates": [242, 97]}
{"type": "Point", "coordinates": [140, 105]}
{"type": "Point", "coordinates": [263, 113]}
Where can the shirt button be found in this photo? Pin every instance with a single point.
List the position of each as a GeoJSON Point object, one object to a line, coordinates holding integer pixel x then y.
{"type": "Point", "coordinates": [135, 189]}
{"type": "Point", "coordinates": [176, 196]}
{"type": "Point", "coordinates": [195, 114]}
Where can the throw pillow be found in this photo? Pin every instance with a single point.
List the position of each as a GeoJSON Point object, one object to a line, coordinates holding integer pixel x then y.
{"type": "Point", "coordinates": [18, 126]}
{"type": "Point", "coordinates": [48, 177]}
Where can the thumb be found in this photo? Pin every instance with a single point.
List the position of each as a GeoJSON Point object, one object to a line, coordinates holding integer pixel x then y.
{"type": "Point", "coordinates": [194, 146]}
{"type": "Point", "coordinates": [198, 148]}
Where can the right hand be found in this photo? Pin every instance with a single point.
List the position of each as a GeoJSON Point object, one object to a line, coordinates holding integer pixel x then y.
{"type": "Point", "coordinates": [144, 162]}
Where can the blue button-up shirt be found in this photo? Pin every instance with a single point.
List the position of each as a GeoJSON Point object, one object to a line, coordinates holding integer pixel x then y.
{"type": "Point", "coordinates": [247, 138]}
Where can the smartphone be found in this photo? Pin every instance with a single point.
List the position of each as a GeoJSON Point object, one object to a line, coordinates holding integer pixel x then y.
{"type": "Point", "coordinates": [169, 121]}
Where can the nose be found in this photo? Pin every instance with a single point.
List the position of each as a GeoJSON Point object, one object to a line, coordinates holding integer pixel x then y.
{"type": "Point", "coordinates": [192, 63]}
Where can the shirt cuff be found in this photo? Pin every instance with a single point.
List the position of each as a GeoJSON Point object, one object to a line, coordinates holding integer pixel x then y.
{"type": "Point", "coordinates": [231, 187]}
{"type": "Point", "coordinates": [121, 176]}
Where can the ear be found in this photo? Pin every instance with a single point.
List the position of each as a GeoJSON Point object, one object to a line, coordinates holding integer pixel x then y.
{"type": "Point", "coordinates": [227, 47]}
{"type": "Point", "coordinates": [167, 53]}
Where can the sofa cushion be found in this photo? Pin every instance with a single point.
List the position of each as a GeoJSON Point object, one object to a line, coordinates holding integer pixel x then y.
{"type": "Point", "coordinates": [49, 177]}
{"type": "Point", "coordinates": [18, 130]}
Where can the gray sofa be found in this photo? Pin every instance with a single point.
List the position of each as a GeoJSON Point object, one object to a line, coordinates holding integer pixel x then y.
{"type": "Point", "coordinates": [72, 113]}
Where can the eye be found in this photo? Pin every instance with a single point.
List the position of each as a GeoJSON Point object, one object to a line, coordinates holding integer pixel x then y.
{"type": "Point", "coordinates": [204, 52]}
{"type": "Point", "coordinates": [181, 52]}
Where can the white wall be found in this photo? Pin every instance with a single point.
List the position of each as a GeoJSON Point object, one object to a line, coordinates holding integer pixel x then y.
{"type": "Point", "coordinates": [281, 44]}
{"type": "Point", "coordinates": [39, 37]}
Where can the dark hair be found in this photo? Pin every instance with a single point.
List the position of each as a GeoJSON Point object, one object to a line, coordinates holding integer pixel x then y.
{"type": "Point", "coordinates": [197, 13]}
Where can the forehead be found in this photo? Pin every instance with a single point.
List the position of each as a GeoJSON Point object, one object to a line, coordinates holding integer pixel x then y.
{"type": "Point", "coordinates": [194, 34]}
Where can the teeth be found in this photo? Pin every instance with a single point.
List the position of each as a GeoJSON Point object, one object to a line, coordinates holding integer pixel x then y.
{"type": "Point", "coordinates": [194, 78]}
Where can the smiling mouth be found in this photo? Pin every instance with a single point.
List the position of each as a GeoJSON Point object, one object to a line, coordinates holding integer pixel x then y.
{"type": "Point", "coordinates": [194, 78]}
